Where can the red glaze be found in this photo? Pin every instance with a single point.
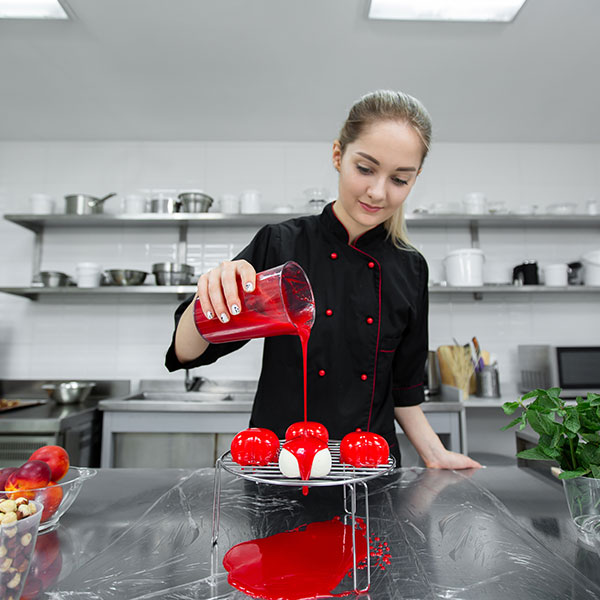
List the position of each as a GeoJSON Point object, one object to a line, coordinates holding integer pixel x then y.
{"type": "Point", "coordinates": [295, 565]}
{"type": "Point", "coordinates": [254, 446]}
{"type": "Point", "coordinates": [33, 474]}
{"type": "Point", "coordinates": [303, 333]}
{"type": "Point", "coordinates": [305, 449]}
{"type": "Point", "coordinates": [308, 428]}
{"type": "Point", "coordinates": [364, 449]}
{"type": "Point", "coordinates": [57, 459]}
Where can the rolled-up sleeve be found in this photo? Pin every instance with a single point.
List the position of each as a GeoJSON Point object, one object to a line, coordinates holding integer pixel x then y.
{"type": "Point", "coordinates": [411, 354]}
{"type": "Point", "coordinates": [261, 253]}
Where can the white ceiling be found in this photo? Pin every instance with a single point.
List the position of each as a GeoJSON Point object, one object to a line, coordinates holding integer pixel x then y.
{"type": "Point", "coordinates": [289, 70]}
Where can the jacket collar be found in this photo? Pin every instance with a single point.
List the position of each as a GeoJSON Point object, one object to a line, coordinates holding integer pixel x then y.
{"type": "Point", "coordinates": [330, 221]}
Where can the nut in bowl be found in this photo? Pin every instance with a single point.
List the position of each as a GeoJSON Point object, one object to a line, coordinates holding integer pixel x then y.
{"type": "Point", "coordinates": [20, 519]}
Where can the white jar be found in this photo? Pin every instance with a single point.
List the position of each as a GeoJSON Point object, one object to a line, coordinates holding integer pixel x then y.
{"type": "Point", "coordinates": [230, 204]}
{"type": "Point", "coordinates": [556, 275]}
{"type": "Point", "coordinates": [475, 203]}
{"type": "Point", "coordinates": [41, 204]}
{"type": "Point", "coordinates": [88, 274]}
{"type": "Point", "coordinates": [134, 204]}
{"type": "Point", "coordinates": [250, 202]}
{"type": "Point", "coordinates": [464, 267]}
{"type": "Point", "coordinates": [591, 268]}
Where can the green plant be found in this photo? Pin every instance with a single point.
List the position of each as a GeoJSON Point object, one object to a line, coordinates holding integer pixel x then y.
{"type": "Point", "coordinates": [569, 433]}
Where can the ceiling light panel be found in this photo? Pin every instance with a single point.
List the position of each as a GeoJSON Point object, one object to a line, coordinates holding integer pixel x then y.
{"type": "Point", "coordinates": [445, 10]}
{"type": "Point", "coordinates": [32, 9]}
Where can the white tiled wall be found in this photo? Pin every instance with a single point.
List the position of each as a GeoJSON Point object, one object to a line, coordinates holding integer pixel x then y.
{"type": "Point", "coordinates": [127, 338]}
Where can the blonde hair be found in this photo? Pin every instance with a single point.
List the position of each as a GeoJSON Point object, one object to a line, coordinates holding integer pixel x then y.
{"type": "Point", "coordinates": [384, 105]}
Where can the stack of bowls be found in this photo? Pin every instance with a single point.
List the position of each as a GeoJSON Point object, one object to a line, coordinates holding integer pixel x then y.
{"type": "Point", "coordinates": [170, 273]}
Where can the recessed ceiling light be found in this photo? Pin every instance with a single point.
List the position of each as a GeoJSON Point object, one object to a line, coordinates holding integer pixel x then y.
{"type": "Point", "coordinates": [445, 10]}
{"type": "Point", "coordinates": [32, 9]}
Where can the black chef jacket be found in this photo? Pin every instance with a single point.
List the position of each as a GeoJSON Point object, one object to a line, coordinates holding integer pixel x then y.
{"type": "Point", "coordinates": [369, 341]}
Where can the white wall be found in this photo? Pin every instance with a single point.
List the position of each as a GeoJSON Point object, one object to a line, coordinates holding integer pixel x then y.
{"type": "Point", "coordinates": [127, 338]}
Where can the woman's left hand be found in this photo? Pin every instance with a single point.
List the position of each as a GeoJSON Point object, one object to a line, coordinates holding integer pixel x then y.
{"type": "Point", "coordinates": [453, 460]}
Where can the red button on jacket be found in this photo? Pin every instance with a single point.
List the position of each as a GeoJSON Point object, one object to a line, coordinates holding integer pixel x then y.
{"type": "Point", "coordinates": [333, 256]}
{"type": "Point", "coordinates": [364, 376]}
{"type": "Point", "coordinates": [371, 265]}
{"type": "Point", "coordinates": [370, 320]}
{"type": "Point", "coordinates": [321, 373]}
{"type": "Point", "coordinates": [328, 312]}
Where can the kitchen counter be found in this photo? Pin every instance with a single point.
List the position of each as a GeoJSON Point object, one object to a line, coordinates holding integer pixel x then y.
{"type": "Point", "coordinates": [495, 533]}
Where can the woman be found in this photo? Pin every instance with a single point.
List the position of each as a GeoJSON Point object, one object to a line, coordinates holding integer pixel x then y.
{"type": "Point", "coordinates": [368, 345]}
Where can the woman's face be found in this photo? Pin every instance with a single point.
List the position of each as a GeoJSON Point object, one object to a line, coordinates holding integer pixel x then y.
{"type": "Point", "coordinates": [377, 172]}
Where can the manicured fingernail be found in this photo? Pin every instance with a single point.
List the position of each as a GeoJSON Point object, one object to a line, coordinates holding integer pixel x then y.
{"type": "Point", "coordinates": [249, 286]}
{"type": "Point", "coordinates": [224, 317]}
{"type": "Point", "coordinates": [209, 315]}
{"type": "Point", "coordinates": [235, 309]}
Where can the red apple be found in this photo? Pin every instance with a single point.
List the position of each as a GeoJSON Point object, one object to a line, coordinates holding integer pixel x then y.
{"type": "Point", "coordinates": [364, 449]}
{"type": "Point", "coordinates": [32, 475]}
{"type": "Point", "coordinates": [57, 459]}
{"type": "Point", "coordinates": [254, 446]}
{"type": "Point", "coordinates": [307, 428]}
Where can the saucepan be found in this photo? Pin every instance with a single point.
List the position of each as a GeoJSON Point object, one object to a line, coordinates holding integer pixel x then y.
{"type": "Point", "coordinates": [84, 204]}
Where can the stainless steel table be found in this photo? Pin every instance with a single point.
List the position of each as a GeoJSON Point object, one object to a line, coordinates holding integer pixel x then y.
{"type": "Point", "coordinates": [496, 533]}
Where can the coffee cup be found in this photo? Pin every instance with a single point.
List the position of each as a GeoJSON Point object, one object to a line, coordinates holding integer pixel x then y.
{"type": "Point", "coordinates": [41, 204]}
{"type": "Point", "coordinates": [474, 203]}
{"type": "Point", "coordinates": [556, 275]}
{"type": "Point", "coordinates": [250, 201]}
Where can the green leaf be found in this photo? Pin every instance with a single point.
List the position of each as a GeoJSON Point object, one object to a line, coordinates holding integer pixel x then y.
{"type": "Point", "coordinates": [532, 394]}
{"type": "Point", "coordinates": [594, 438]}
{"type": "Point", "coordinates": [589, 422]}
{"type": "Point", "coordinates": [511, 424]}
{"type": "Point", "coordinates": [590, 453]}
{"type": "Point", "coordinates": [593, 398]}
{"type": "Point", "coordinates": [548, 402]}
{"type": "Point", "coordinates": [541, 423]}
{"type": "Point", "coordinates": [510, 407]}
{"type": "Point", "coordinates": [595, 471]}
{"type": "Point", "coordinates": [571, 421]}
{"type": "Point", "coordinates": [554, 392]}
{"type": "Point", "coordinates": [535, 453]}
{"type": "Point", "coordinates": [573, 474]}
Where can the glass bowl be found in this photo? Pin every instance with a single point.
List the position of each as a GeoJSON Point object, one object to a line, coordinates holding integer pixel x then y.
{"type": "Point", "coordinates": [17, 540]}
{"type": "Point", "coordinates": [57, 498]}
{"type": "Point", "coordinates": [583, 499]}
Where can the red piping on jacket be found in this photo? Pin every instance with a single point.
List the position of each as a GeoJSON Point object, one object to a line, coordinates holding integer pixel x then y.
{"type": "Point", "coordinates": [353, 245]}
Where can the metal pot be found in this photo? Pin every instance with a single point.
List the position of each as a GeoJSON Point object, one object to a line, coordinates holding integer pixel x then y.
{"type": "Point", "coordinates": [170, 273]}
{"type": "Point", "coordinates": [54, 279]}
{"type": "Point", "coordinates": [125, 277]}
{"type": "Point", "coordinates": [69, 392]}
{"type": "Point", "coordinates": [83, 204]}
{"type": "Point", "coordinates": [195, 202]}
{"type": "Point", "coordinates": [164, 205]}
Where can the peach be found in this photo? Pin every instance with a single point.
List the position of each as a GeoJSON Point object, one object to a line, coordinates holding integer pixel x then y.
{"type": "Point", "coordinates": [51, 498]}
{"type": "Point", "coordinates": [57, 459]}
{"type": "Point", "coordinates": [5, 474]}
{"type": "Point", "coordinates": [33, 474]}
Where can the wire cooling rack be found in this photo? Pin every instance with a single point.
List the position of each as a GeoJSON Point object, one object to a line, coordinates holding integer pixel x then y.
{"type": "Point", "coordinates": [340, 474]}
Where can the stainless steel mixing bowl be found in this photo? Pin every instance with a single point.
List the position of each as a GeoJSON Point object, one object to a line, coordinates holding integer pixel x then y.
{"type": "Point", "coordinates": [69, 392]}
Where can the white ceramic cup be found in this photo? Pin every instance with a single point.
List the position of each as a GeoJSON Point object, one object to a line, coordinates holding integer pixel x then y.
{"type": "Point", "coordinates": [134, 204]}
{"type": "Point", "coordinates": [474, 203]}
{"type": "Point", "coordinates": [556, 275]}
{"type": "Point", "coordinates": [250, 201]}
{"type": "Point", "coordinates": [230, 204]}
{"type": "Point", "coordinates": [88, 274]}
{"type": "Point", "coordinates": [41, 204]}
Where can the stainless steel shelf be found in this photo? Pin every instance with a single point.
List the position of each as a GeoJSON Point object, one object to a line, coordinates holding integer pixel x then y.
{"type": "Point", "coordinates": [185, 290]}
{"type": "Point", "coordinates": [34, 293]}
{"type": "Point", "coordinates": [37, 223]}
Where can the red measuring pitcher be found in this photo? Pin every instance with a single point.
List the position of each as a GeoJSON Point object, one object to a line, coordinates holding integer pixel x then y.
{"type": "Point", "coordinates": [281, 303]}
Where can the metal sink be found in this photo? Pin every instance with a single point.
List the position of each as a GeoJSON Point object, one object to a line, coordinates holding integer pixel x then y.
{"type": "Point", "coordinates": [213, 396]}
{"type": "Point", "coordinates": [192, 396]}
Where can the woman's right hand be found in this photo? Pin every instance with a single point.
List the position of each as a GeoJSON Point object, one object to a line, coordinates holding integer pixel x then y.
{"type": "Point", "coordinates": [218, 288]}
